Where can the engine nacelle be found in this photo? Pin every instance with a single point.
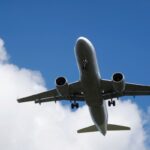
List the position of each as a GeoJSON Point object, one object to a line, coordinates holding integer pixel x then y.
{"type": "Point", "coordinates": [62, 86]}
{"type": "Point", "coordinates": [118, 82]}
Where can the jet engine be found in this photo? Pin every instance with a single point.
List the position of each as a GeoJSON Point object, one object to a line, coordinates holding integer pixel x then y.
{"type": "Point", "coordinates": [118, 82]}
{"type": "Point", "coordinates": [62, 86]}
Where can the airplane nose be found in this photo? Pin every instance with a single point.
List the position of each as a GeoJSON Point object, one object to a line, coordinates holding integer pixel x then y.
{"type": "Point", "coordinates": [83, 44]}
{"type": "Point", "coordinates": [81, 39]}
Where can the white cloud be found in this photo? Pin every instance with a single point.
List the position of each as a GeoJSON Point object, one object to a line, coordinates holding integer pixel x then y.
{"type": "Point", "coordinates": [3, 53]}
{"type": "Point", "coordinates": [28, 126]}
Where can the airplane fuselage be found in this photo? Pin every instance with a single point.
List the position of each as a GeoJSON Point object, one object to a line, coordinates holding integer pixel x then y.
{"type": "Point", "coordinates": [91, 82]}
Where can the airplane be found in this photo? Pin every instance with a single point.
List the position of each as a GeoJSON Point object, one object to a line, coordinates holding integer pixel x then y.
{"type": "Point", "coordinates": [91, 88]}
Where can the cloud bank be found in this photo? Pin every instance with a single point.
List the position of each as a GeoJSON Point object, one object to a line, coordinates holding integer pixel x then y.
{"type": "Point", "coordinates": [51, 126]}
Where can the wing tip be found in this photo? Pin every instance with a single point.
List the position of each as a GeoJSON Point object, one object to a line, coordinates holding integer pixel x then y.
{"type": "Point", "coordinates": [128, 128]}
{"type": "Point", "coordinates": [21, 100]}
{"type": "Point", "coordinates": [18, 100]}
{"type": "Point", "coordinates": [78, 131]}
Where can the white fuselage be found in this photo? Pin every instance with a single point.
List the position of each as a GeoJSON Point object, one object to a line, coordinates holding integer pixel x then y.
{"type": "Point", "coordinates": [91, 83]}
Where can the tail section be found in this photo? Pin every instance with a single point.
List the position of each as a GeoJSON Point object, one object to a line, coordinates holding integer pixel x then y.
{"type": "Point", "coordinates": [110, 127]}
{"type": "Point", "coordinates": [88, 129]}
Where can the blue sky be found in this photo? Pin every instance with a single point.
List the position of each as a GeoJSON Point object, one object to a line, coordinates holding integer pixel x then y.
{"type": "Point", "coordinates": [40, 35]}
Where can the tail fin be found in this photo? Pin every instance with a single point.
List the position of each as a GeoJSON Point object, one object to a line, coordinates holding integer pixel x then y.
{"type": "Point", "coordinates": [110, 127]}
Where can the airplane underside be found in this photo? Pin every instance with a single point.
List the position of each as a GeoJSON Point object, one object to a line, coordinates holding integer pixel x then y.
{"type": "Point", "coordinates": [91, 88]}
{"type": "Point", "coordinates": [90, 77]}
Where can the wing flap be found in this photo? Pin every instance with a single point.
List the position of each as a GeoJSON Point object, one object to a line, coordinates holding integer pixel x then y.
{"type": "Point", "coordinates": [51, 93]}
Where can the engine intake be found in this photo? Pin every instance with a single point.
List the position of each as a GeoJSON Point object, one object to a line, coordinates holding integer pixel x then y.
{"type": "Point", "coordinates": [62, 86]}
{"type": "Point", "coordinates": [118, 82]}
{"type": "Point", "coordinates": [60, 81]}
{"type": "Point", "coordinates": [117, 77]}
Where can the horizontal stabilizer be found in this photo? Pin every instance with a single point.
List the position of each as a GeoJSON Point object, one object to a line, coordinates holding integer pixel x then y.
{"type": "Point", "coordinates": [88, 129]}
{"type": "Point", "coordinates": [110, 127]}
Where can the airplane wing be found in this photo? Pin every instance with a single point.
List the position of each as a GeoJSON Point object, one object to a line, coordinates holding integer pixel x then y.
{"type": "Point", "coordinates": [131, 89]}
{"type": "Point", "coordinates": [75, 93]}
